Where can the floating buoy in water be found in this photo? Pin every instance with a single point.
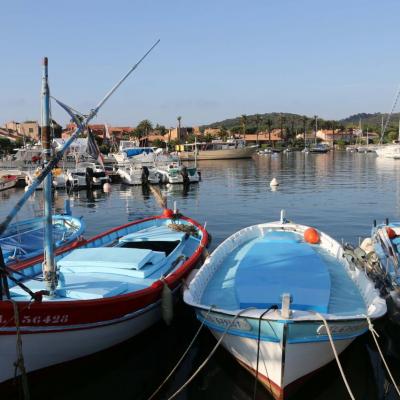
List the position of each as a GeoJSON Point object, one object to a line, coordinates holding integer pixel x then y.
{"type": "Point", "coordinates": [167, 304]}
{"type": "Point", "coordinates": [311, 236]}
{"type": "Point", "coordinates": [274, 182]}
{"type": "Point", "coordinates": [390, 232]}
{"type": "Point", "coordinates": [107, 187]}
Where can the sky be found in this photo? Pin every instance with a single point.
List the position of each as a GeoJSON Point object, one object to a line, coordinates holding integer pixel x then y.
{"type": "Point", "coordinates": [217, 59]}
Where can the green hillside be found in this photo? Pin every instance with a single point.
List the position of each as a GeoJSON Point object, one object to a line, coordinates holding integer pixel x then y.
{"type": "Point", "coordinates": [295, 122]}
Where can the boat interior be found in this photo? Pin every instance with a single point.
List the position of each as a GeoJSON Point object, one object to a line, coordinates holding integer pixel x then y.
{"type": "Point", "coordinates": [258, 271]}
{"type": "Point", "coordinates": [26, 239]}
{"type": "Point", "coordinates": [121, 262]}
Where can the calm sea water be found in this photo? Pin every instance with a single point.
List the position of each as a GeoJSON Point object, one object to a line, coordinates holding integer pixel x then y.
{"type": "Point", "coordinates": [339, 193]}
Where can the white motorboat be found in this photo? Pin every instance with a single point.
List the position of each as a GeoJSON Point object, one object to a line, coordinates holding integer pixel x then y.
{"type": "Point", "coordinates": [138, 174]}
{"type": "Point", "coordinates": [171, 170]}
{"type": "Point", "coordinates": [86, 174]}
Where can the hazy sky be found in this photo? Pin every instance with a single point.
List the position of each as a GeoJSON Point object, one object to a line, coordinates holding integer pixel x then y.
{"type": "Point", "coordinates": [217, 58]}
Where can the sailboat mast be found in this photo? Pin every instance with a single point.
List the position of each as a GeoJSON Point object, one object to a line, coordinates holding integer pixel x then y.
{"type": "Point", "coordinates": [49, 264]}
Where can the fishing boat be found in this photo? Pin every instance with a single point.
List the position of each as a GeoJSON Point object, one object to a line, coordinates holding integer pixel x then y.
{"type": "Point", "coordinates": [216, 150]}
{"type": "Point", "coordinates": [271, 291]}
{"type": "Point", "coordinates": [138, 174]}
{"type": "Point", "coordinates": [109, 289]}
{"type": "Point", "coordinates": [8, 181]}
{"type": "Point", "coordinates": [385, 245]}
{"type": "Point", "coordinates": [24, 240]}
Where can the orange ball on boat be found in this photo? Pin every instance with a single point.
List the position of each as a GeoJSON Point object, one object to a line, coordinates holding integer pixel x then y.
{"type": "Point", "coordinates": [167, 212]}
{"type": "Point", "coordinates": [311, 235]}
{"type": "Point", "coordinates": [390, 232]}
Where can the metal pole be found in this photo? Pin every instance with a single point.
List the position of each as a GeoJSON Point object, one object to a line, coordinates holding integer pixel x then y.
{"type": "Point", "coordinates": [57, 158]}
{"type": "Point", "coordinates": [49, 270]}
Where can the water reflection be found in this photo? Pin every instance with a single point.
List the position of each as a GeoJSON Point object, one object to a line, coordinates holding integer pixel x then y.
{"type": "Point", "coordinates": [341, 193]}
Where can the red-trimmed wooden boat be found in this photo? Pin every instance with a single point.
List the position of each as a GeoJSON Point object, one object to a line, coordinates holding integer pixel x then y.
{"type": "Point", "coordinates": [109, 289]}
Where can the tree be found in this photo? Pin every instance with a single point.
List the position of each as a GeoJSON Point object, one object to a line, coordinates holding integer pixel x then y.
{"type": "Point", "coordinates": [258, 119]}
{"type": "Point", "coordinates": [179, 127]}
{"type": "Point", "coordinates": [243, 121]}
{"type": "Point", "coordinates": [304, 119]}
{"type": "Point", "coordinates": [143, 129]}
{"type": "Point", "coordinates": [223, 133]}
{"type": "Point", "coordinates": [269, 127]}
{"type": "Point", "coordinates": [282, 121]}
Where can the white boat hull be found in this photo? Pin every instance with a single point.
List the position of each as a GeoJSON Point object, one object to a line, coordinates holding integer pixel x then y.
{"type": "Point", "coordinates": [41, 350]}
{"type": "Point", "coordinates": [225, 154]}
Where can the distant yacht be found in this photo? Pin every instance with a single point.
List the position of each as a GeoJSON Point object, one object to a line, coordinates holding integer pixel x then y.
{"type": "Point", "coordinates": [216, 150]}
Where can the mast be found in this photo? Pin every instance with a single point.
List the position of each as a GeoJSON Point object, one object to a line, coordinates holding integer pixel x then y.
{"type": "Point", "coordinates": [49, 271]}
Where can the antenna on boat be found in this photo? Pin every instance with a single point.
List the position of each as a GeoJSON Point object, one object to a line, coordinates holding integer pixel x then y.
{"type": "Point", "coordinates": [80, 127]}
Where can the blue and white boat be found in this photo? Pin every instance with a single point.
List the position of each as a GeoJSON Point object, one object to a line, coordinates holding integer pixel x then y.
{"type": "Point", "coordinates": [266, 290]}
{"type": "Point", "coordinates": [385, 242]}
{"type": "Point", "coordinates": [24, 240]}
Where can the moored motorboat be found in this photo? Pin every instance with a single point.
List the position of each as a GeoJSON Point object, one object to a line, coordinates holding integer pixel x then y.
{"type": "Point", "coordinates": [24, 239]}
{"type": "Point", "coordinates": [138, 174]}
{"type": "Point", "coordinates": [171, 170]}
{"type": "Point", "coordinates": [266, 291]}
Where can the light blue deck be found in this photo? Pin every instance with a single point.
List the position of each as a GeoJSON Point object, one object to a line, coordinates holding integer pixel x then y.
{"type": "Point", "coordinates": [94, 272]}
{"type": "Point", "coordinates": [260, 271]}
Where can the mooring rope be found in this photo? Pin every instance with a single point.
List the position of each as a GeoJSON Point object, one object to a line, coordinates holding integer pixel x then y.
{"type": "Point", "coordinates": [183, 355]}
{"type": "Point", "coordinates": [19, 363]}
{"type": "Point", "coordinates": [375, 335]}
{"type": "Point", "coordinates": [211, 353]}
{"type": "Point", "coordinates": [328, 331]}
{"type": "Point", "coordinates": [273, 307]}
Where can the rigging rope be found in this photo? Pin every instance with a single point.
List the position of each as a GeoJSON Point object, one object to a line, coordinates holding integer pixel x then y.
{"type": "Point", "coordinates": [182, 357]}
{"type": "Point", "coordinates": [396, 99]}
{"type": "Point", "coordinates": [211, 353]}
{"type": "Point", "coordinates": [375, 335]}
{"type": "Point", "coordinates": [328, 331]}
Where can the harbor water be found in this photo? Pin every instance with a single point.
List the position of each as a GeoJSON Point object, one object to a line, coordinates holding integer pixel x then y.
{"type": "Point", "coordinates": [340, 193]}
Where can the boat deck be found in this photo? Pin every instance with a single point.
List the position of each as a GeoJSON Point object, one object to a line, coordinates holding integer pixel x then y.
{"type": "Point", "coordinates": [257, 274]}
{"type": "Point", "coordinates": [131, 264]}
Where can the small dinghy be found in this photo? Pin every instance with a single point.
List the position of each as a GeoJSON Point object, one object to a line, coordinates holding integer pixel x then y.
{"type": "Point", "coordinates": [24, 240]}
{"type": "Point", "coordinates": [267, 290]}
{"type": "Point", "coordinates": [109, 289]}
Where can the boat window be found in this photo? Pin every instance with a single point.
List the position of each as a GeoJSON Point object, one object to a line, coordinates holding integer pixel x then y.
{"type": "Point", "coordinates": [166, 247]}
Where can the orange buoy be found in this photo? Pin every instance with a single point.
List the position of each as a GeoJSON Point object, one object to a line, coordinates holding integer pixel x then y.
{"type": "Point", "coordinates": [311, 235]}
{"type": "Point", "coordinates": [390, 232]}
{"type": "Point", "coordinates": [168, 213]}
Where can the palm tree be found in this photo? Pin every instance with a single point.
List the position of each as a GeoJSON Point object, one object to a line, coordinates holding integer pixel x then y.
{"type": "Point", "coordinates": [304, 119]}
{"type": "Point", "coordinates": [179, 128]}
{"type": "Point", "coordinates": [144, 128]}
{"type": "Point", "coordinates": [316, 127]}
{"type": "Point", "coordinates": [258, 119]}
{"type": "Point", "coordinates": [243, 121]}
{"type": "Point", "coordinates": [223, 133]}
{"type": "Point", "coordinates": [269, 125]}
{"type": "Point", "coordinates": [282, 121]}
